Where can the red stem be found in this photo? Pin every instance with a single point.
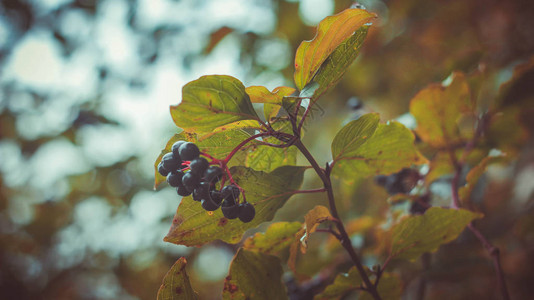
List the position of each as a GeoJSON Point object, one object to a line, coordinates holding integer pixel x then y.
{"type": "Point", "coordinates": [243, 143]}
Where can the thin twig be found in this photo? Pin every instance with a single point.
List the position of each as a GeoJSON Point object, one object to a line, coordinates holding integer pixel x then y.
{"type": "Point", "coordinates": [344, 237]}
{"type": "Point", "coordinates": [490, 248]}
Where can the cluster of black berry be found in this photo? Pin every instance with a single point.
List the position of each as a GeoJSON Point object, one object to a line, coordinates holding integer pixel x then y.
{"type": "Point", "coordinates": [201, 180]}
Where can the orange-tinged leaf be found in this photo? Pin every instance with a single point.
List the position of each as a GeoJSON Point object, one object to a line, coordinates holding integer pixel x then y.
{"type": "Point", "coordinates": [272, 101]}
{"type": "Point", "coordinates": [331, 32]}
{"type": "Point", "coordinates": [439, 110]}
{"type": "Point", "coordinates": [312, 219]}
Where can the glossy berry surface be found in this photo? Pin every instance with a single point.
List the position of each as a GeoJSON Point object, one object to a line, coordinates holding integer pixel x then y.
{"type": "Point", "coordinates": [230, 209]}
{"type": "Point", "coordinates": [191, 180]}
{"type": "Point", "coordinates": [201, 192]}
{"type": "Point", "coordinates": [171, 163]}
{"type": "Point", "coordinates": [213, 174]}
{"type": "Point", "coordinates": [199, 165]}
{"type": "Point", "coordinates": [246, 212]}
{"type": "Point", "coordinates": [209, 205]}
{"type": "Point", "coordinates": [230, 192]}
{"type": "Point", "coordinates": [176, 148]}
{"type": "Point", "coordinates": [216, 196]}
{"type": "Point", "coordinates": [189, 151]}
{"type": "Point", "coordinates": [182, 191]}
{"type": "Point", "coordinates": [162, 170]}
{"type": "Point", "coordinates": [174, 179]}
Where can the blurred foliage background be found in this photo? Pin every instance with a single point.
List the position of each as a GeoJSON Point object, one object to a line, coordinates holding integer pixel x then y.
{"type": "Point", "coordinates": [85, 89]}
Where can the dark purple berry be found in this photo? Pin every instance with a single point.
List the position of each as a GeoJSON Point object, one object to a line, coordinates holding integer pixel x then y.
{"type": "Point", "coordinates": [183, 191]}
{"type": "Point", "coordinates": [191, 180]}
{"type": "Point", "coordinates": [229, 208]}
{"type": "Point", "coordinates": [246, 212]}
{"type": "Point", "coordinates": [209, 205]}
{"type": "Point", "coordinates": [189, 151]}
{"type": "Point", "coordinates": [176, 147]}
{"type": "Point", "coordinates": [216, 196]}
{"type": "Point", "coordinates": [202, 191]}
{"type": "Point", "coordinates": [170, 163]}
{"type": "Point", "coordinates": [199, 165]}
{"type": "Point", "coordinates": [230, 191]}
{"type": "Point", "coordinates": [174, 179]}
{"type": "Point", "coordinates": [162, 170]}
{"type": "Point", "coordinates": [213, 174]}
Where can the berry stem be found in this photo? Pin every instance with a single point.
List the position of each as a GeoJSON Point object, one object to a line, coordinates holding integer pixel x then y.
{"type": "Point", "coordinates": [344, 237]}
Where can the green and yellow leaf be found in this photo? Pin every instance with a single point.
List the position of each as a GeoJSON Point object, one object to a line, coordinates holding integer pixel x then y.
{"type": "Point", "coordinates": [210, 102]}
{"type": "Point", "coordinates": [439, 110]}
{"type": "Point", "coordinates": [331, 32]}
{"type": "Point", "coordinates": [416, 235]}
{"type": "Point", "coordinates": [276, 238]}
{"type": "Point", "coordinates": [272, 101]}
{"type": "Point", "coordinates": [364, 148]}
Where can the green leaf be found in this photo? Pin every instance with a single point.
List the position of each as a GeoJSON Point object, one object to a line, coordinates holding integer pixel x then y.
{"type": "Point", "coordinates": [275, 239]}
{"type": "Point", "coordinates": [364, 148]}
{"type": "Point", "coordinates": [272, 101]}
{"type": "Point", "coordinates": [193, 226]}
{"type": "Point", "coordinates": [342, 285]}
{"type": "Point", "coordinates": [331, 32]}
{"type": "Point", "coordinates": [439, 109]}
{"type": "Point", "coordinates": [334, 67]}
{"type": "Point", "coordinates": [416, 235]}
{"type": "Point", "coordinates": [218, 145]}
{"type": "Point", "coordinates": [254, 275]}
{"type": "Point", "coordinates": [353, 135]}
{"type": "Point", "coordinates": [210, 102]}
{"type": "Point", "coordinates": [266, 158]}
{"type": "Point", "coordinates": [176, 283]}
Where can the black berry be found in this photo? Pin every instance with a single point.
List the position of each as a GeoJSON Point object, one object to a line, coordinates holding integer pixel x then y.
{"type": "Point", "coordinates": [182, 191]}
{"type": "Point", "coordinates": [230, 192]}
{"type": "Point", "coordinates": [176, 147]}
{"type": "Point", "coordinates": [171, 163]}
{"type": "Point", "coordinates": [199, 165]}
{"type": "Point", "coordinates": [229, 208]}
{"type": "Point", "coordinates": [246, 212]}
{"type": "Point", "coordinates": [189, 151]}
{"type": "Point", "coordinates": [191, 180]}
{"type": "Point", "coordinates": [174, 179]}
{"type": "Point", "coordinates": [213, 174]}
{"type": "Point", "coordinates": [216, 196]}
{"type": "Point", "coordinates": [209, 205]}
{"type": "Point", "coordinates": [202, 191]}
{"type": "Point", "coordinates": [162, 170]}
